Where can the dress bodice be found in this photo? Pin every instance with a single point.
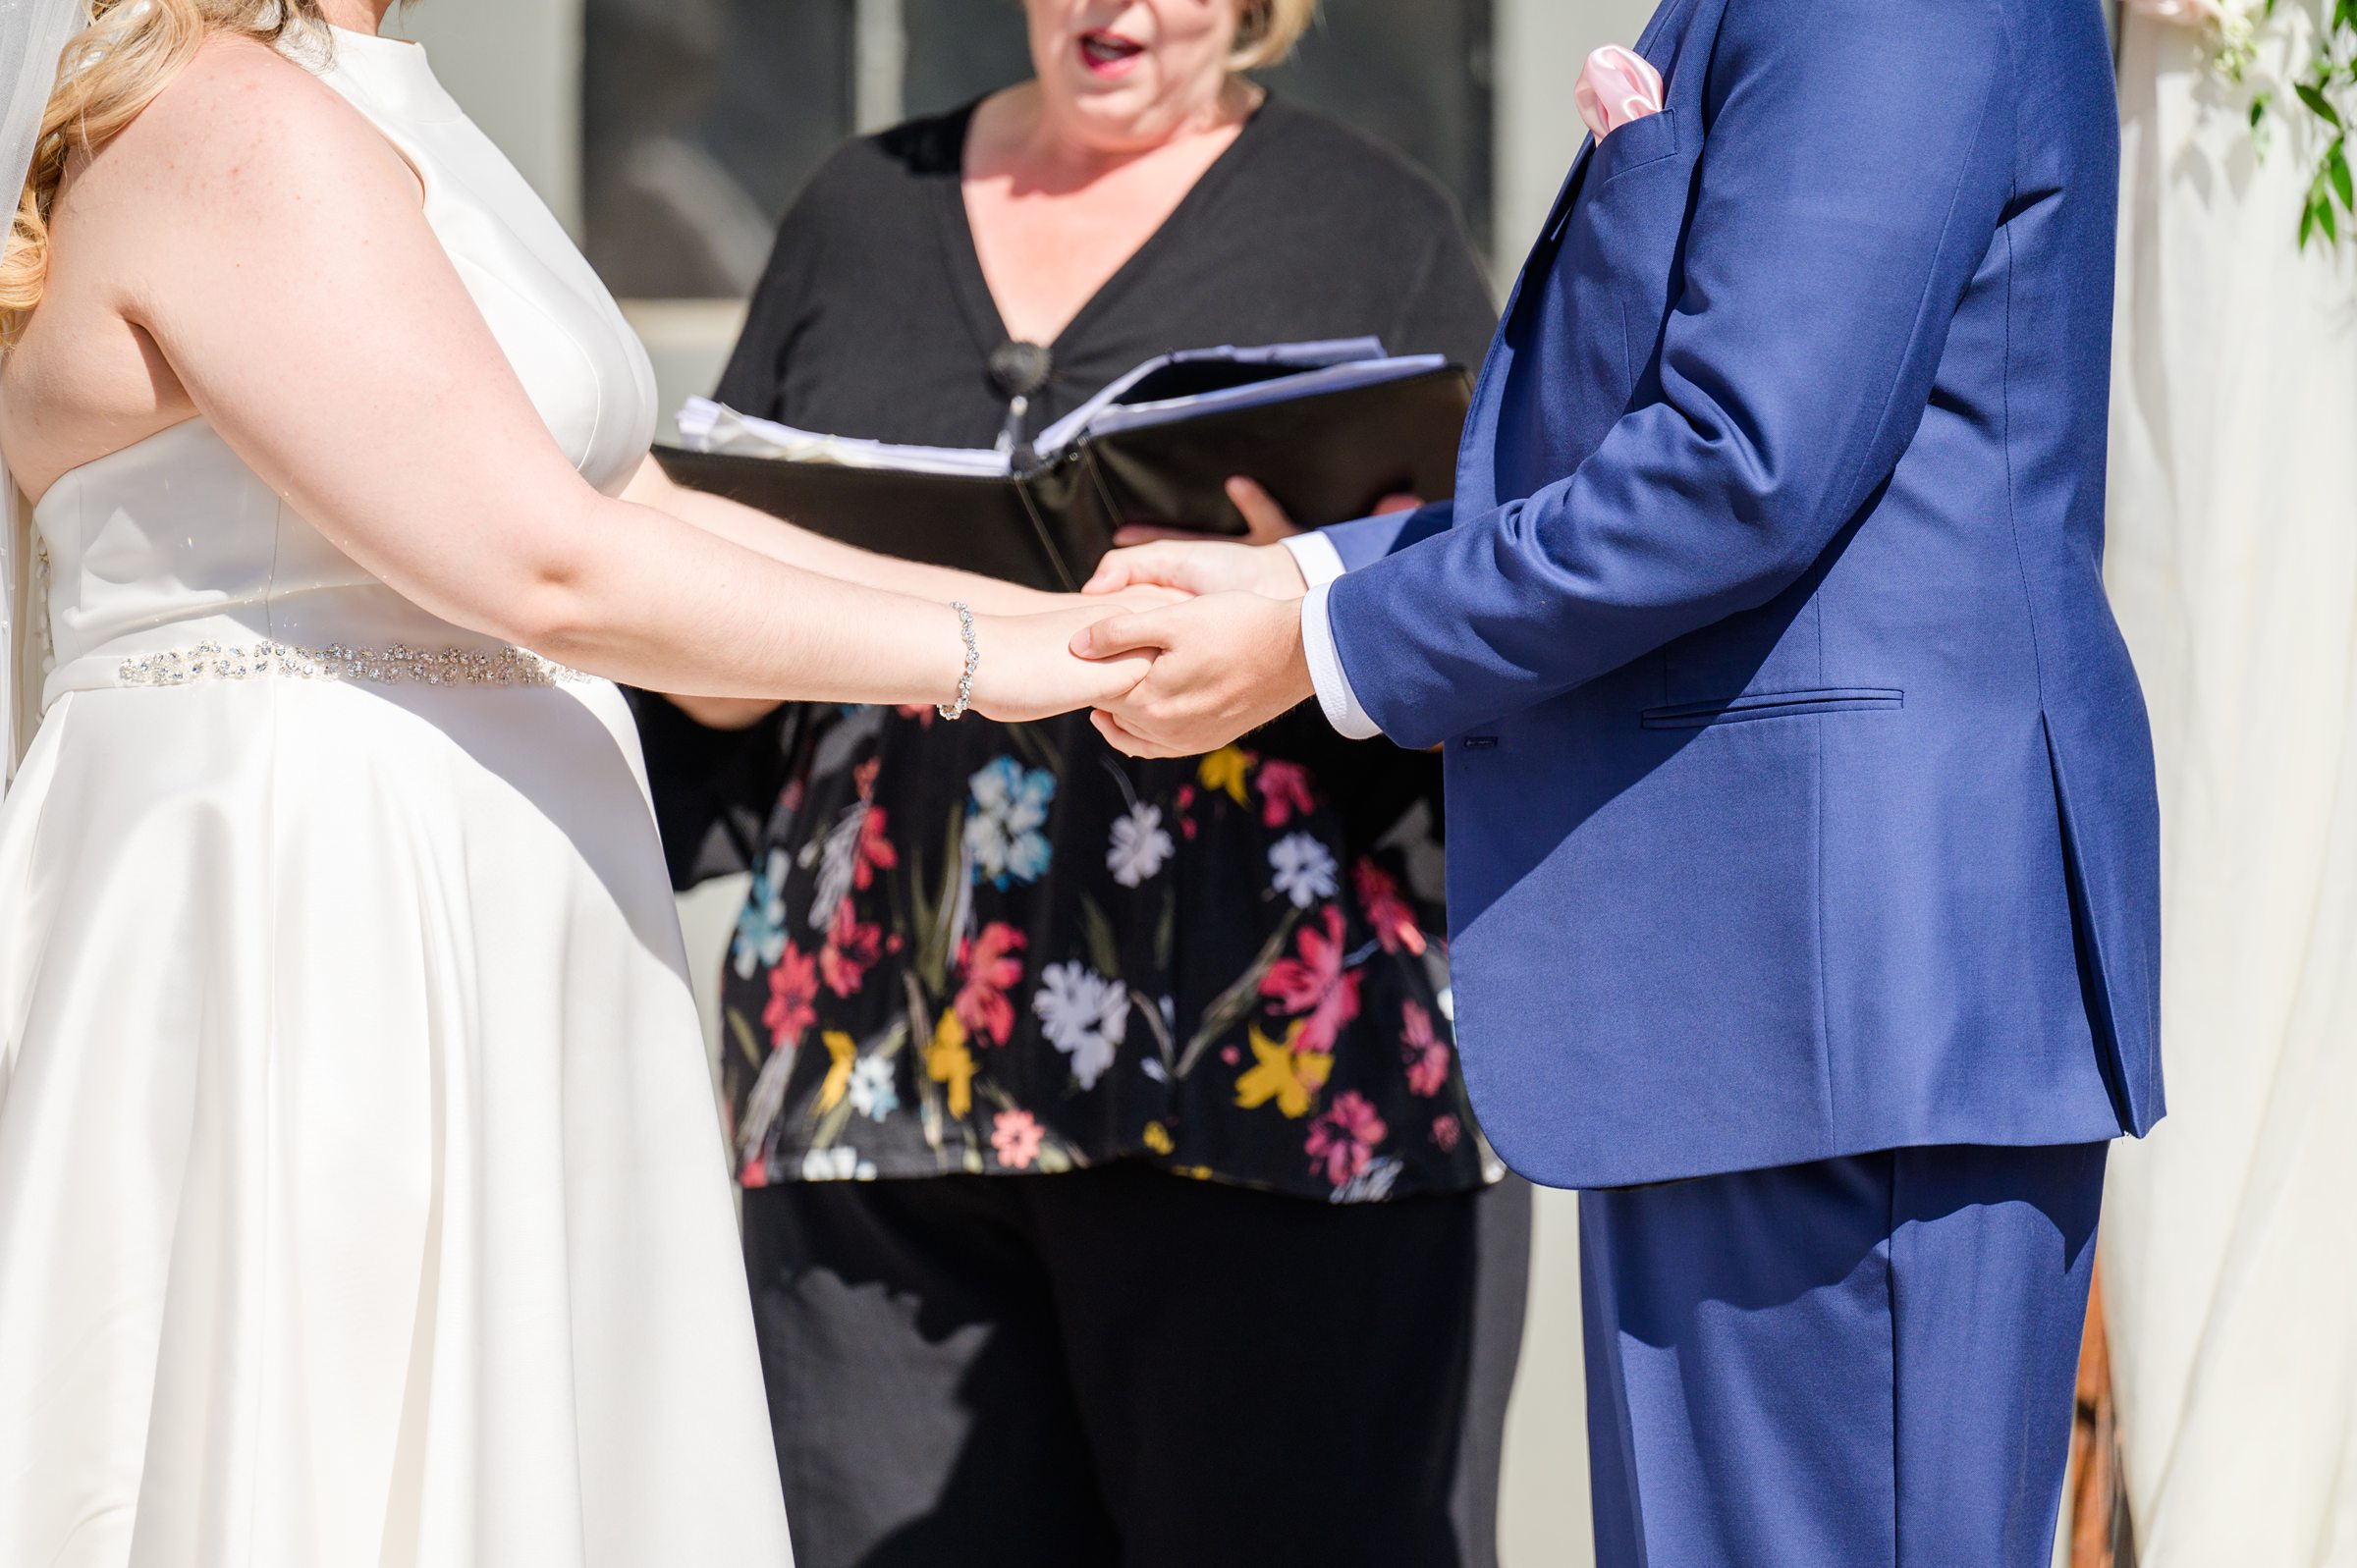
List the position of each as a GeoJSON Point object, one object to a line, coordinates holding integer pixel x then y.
{"type": "Point", "coordinates": [173, 543]}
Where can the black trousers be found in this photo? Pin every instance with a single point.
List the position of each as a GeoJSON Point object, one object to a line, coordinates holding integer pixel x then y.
{"type": "Point", "coordinates": [1122, 1367]}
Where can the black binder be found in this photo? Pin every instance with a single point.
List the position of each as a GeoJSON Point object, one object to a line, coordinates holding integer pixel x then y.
{"type": "Point", "coordinates": [1158, 448]}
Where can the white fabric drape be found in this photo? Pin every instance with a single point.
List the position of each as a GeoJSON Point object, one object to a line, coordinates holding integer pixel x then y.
{"type": "Point", "coordinates": [2230, 1237]}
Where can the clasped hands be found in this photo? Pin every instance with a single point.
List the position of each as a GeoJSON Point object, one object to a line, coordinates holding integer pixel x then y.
{"type": "Point", "coordinates": [1225, 660]}
{"type": "Point", "coordinates": [1180, 642]}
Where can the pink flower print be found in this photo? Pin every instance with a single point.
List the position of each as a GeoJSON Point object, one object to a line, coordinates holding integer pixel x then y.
{"type": "Point", "coordinates": [1343, 1137]}
{"type": "Point", "coordinates": [1445, 1130]}
{"type": "Point", "coordinates": [873, 853]}
{"type": "Point", "coordinates": [864, 776]}
{"type": "Point", "coordinates": [755, 1173]}
{"type": "Point", "coordinates": [1315, 983]}
{"type": "Point", "coordinates": [990, 969]}
{"type": "Point", "coordinates": [1015, 1136]}
{"type": "Point", "coordinates": [1231, 1056]}
{"type": "Point", "coordinates": [1393, 921]}
{"type": "Point", "coordinates": [1283, 791]}
{"type": "Point", "coordinates": [1427, 1055]}
{"type": "Point", "coordinates": [793, 988]}
{"type": "Point", "coordinates": [921, 711]}
{"type": "Point", "coordinates": [853, 947]}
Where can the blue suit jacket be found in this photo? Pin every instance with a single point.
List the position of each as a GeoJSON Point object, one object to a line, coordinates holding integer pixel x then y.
{"type": "Point", "coordinates": [1800, 791]}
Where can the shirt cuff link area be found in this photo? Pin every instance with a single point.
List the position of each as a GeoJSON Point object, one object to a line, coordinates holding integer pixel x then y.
{"type": "Point", "coordinates": [1335, 696]}
{"type": "Point", "coordinates": [1316, 556]}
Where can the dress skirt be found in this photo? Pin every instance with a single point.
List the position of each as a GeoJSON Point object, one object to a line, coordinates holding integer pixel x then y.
{"type": "Point", "coordinates": [361, 1197]}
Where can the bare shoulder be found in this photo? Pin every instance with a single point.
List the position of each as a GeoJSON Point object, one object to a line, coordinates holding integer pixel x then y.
{"type": "Point", "coordinates": [243, 132]}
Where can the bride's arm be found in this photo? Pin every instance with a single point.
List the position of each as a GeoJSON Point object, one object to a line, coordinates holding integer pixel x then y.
{"type": "Point", "coordinates": [782, 541]}
{"type": "Point", "coordinates": [798, 547]}
{"type": "Point", "coordinates": [277, 255]}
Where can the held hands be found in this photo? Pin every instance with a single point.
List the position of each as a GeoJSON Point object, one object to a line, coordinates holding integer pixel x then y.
{"type": "Point", "coordinates": [1226, 660]}
{"type": "Point", "coordinates": [1219, 666]}
{"type": "Point", "coordinates": [1030, 671]}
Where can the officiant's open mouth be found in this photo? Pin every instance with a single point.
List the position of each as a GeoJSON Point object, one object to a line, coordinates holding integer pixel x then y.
{"type": "Point", "coordinates": [1107, 54]}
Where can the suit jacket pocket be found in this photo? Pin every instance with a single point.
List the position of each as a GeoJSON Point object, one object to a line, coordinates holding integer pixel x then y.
{"type": "Point", "coordinates": [1773, 705]}
{"type": "Point", "coordinates": [1632, 146]}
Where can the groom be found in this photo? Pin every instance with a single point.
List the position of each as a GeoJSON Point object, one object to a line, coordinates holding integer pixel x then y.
{"type": "Point", "coordinates": [1802, 845]}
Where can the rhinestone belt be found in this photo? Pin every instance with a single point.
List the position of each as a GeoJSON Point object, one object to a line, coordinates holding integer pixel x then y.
{"type": "Point", "coordinates": [426, 667]}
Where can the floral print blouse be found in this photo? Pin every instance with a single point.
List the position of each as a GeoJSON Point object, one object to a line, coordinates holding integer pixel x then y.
{"type": "Point", "coordinates": [1038, 960]}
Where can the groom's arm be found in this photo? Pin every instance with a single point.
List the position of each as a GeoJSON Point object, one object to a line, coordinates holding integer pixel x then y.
{"type": "Point", "coordinates": [1859, 160]}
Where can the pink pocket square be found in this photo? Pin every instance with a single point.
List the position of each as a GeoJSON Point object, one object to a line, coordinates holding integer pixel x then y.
{"type": "Point", "coordinates": [1615, 86]}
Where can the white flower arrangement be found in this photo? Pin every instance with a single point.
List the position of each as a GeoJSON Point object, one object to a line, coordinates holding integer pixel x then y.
{"type": "Point", "coordinates": [2324, 93]}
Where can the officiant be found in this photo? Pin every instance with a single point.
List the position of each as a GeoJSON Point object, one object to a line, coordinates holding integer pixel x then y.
{"type": "Point", "coordinates": [1172, 1187]}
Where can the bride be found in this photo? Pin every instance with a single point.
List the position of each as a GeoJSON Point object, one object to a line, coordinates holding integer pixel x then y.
{"type": "Point", "coordinates": [360, 1200]}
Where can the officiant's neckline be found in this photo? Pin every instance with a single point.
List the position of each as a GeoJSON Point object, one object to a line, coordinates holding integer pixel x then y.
{"type": "Point", "coordinates": [972, 285]}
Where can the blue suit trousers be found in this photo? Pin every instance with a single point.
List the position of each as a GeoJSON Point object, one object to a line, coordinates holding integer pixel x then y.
{"type": "Point", "coordinates": [1856, 1363]}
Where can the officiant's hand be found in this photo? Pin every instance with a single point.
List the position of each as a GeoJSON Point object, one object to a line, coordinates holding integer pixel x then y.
{"type": "Point", "coordinates": [1222, 664]}
{"type": "Point", "coordinates": [1265, 521]}
{"type": "Point", "coordinates": [1029, 669]}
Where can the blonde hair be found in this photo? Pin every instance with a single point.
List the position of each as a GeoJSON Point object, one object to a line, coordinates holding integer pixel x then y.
{"type": "Point", "coordinates": [1269, 30]}
{"type": "Point", "coordinates": [129, 51]}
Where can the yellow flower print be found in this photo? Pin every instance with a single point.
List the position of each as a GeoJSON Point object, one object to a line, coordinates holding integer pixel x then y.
{"type": "Point", "coordinates": [948, 1061]}
{"type": "Point", "coordinates": [1280, 1074]}
{"type": "Point", "coordinates": [1225, 769]}
{"type": "Point", "coordinates": [1158, 1138]}
{"type": "Point", "coordinates": [839, 1071]}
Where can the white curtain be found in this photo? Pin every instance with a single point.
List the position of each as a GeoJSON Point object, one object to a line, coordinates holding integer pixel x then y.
{"type": "Point", "coordinates": [2230, 1237]}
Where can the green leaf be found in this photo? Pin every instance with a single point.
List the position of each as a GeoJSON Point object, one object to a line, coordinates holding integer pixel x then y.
{"type": "Point", "coordinates": [1166, 930]}
{"type": "Point", "coordinates": [2317, 103]}
{"type": "Point", "coordinates": [2337, 165]}
{"type": "Point", "coordinates": [2259, 107]}
{"type": "Point", "coordinates": [1104, 952]}
{"type": "Point", "coordinates": [2307, 224]}
{"type": "Point", "coordinates": [2330, 224]}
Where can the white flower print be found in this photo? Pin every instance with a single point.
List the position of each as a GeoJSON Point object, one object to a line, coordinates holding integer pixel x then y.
{"type": "Point", "coordinates": [1141, 845]}
{"type": "Point", "coordinates": [1302, 869]}
{"type": "Point", "coordinates": [838, 859]}
{"type": "Point", "coordinates": [871, 1091]}
{"type": "Point", "coordinates": [839, 1163]}
{"type": "Point", "coordinates": [1084, 1015]}
{"type": "Point", "coordinates": [760, 939]}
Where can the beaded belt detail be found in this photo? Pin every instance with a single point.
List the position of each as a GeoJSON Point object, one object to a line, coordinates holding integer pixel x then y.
{"type": "Point", "coordinates": [396, 664]}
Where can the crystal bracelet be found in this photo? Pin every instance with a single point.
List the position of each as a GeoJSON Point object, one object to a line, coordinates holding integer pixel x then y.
{"type": "Point", "coordinates": [973, 662]}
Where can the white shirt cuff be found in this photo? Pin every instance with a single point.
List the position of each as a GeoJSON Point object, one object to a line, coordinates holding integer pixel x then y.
{"type": "Point", "coordinates": [1320, 562]}
{"type": "Point", "coordinates": [1335, 696]}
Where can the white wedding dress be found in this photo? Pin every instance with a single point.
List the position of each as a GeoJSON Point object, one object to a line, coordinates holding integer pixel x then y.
{"type": "Point", "coordinates": [361, 1197]}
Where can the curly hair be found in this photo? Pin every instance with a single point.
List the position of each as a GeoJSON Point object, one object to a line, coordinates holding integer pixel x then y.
{"type": "Point", "coordinates": [128, 52]}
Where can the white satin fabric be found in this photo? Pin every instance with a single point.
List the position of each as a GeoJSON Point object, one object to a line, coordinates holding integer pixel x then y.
{"type": "Point", "coordinates": [2230, 1236]}
{"type": "Point", "coordinates": [361, 1200]}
